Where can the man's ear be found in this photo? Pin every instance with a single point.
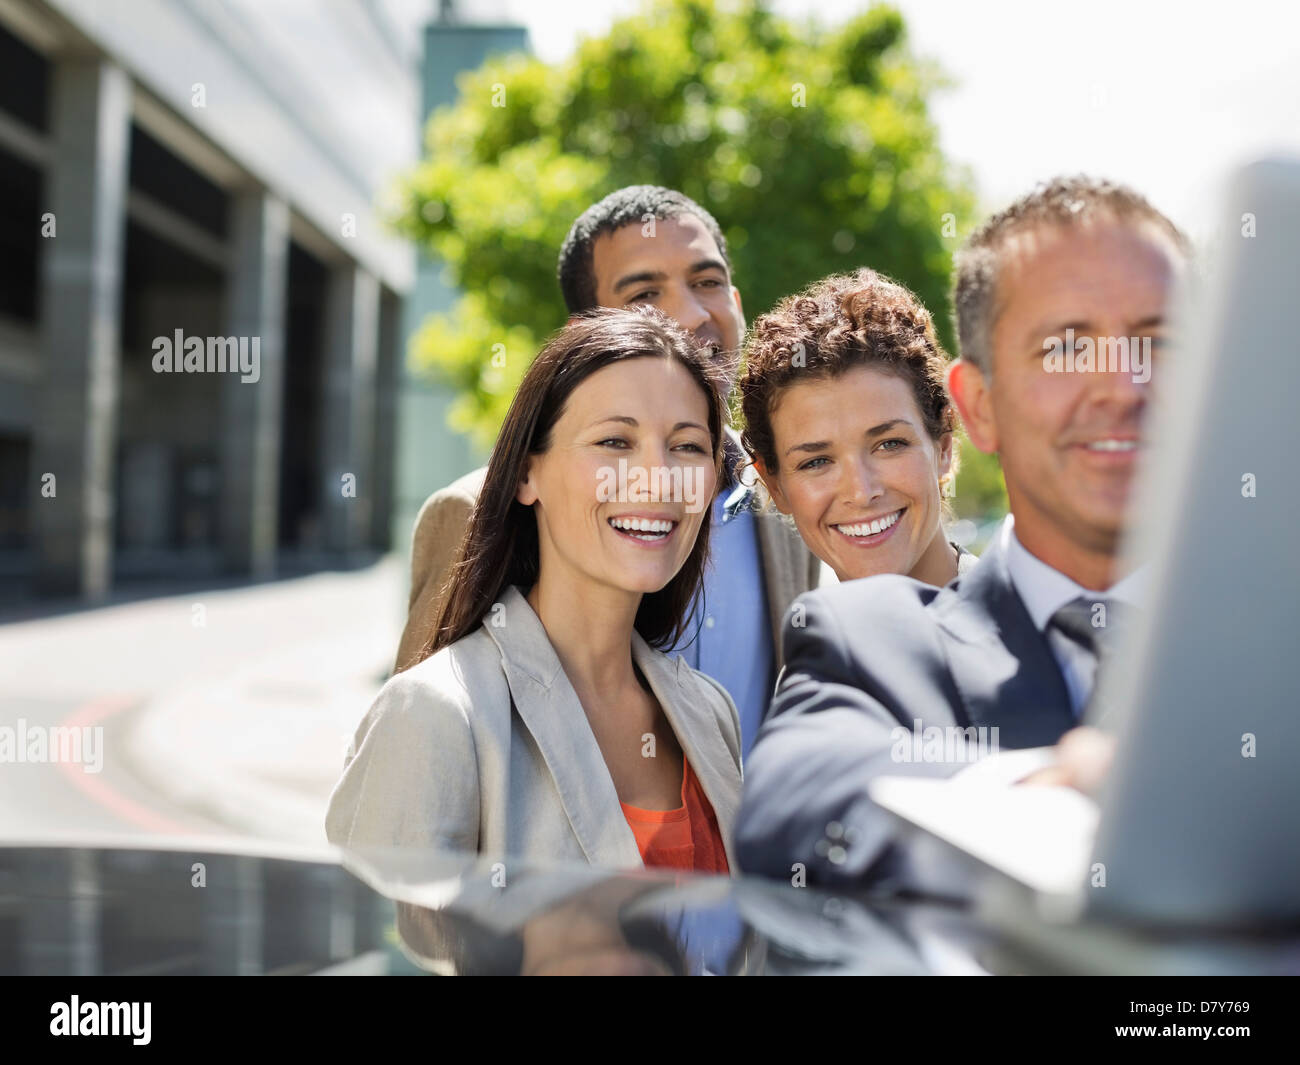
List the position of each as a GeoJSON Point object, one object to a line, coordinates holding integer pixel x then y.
{"type": "Point", "coordinates": [735, 295]}
{"type": "Point", "coordinates": [526, 493]}
{"type": "Point", "coordinates": [773, 488]}
{"type": "Point", "coordinates": [970, 391]}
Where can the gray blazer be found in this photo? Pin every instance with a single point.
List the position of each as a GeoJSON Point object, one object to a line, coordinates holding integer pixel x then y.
{"type": "Point", "coordinates": [484, 747]}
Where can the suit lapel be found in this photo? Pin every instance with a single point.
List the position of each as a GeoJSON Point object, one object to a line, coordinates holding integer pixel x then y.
{"type": "Point", "coordinates": [780, 566]}
{"type": "Point", "coordinates": [785, 562]}
{"type": "Point", "coordinates": [549, 708]}
{"type": "Point", "coordinates": [1001, 664]}
{"type": "Point", "coordinates": [697, 732]}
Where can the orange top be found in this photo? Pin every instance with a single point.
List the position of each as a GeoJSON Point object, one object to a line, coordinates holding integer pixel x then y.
{"type": "Point", "coordinates": [686, 838]}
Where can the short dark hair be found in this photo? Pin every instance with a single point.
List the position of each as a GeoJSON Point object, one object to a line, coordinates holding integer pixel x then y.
{"type": "Point", "coordinates": [1062, 201]}
{"type": "Point", "coordinates": [632, 205]}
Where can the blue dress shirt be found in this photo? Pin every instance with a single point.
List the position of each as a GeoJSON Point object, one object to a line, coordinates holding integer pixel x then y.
{"type": "Point", "coordinates": [727, 637]}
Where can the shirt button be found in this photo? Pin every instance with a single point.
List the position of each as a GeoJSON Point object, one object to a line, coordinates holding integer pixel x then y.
{"type": "Point", "coordinates": [708, 621]}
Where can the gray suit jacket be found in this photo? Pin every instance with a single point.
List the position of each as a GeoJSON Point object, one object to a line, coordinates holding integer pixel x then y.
{"type": "Point", "coordinates": [788, 567]}
{"type": "Point", "coordinates": [872, 655]}
{"type": "Point", "coordinates": [484, 748]}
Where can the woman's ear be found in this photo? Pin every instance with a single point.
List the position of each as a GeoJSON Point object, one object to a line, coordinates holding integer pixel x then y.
{"type": "Point", "coordinates": [944, 456]}
{"type": "Point", "coordinates": [526, 493]}
{"type": "Point", "coordinates": [771, 484]}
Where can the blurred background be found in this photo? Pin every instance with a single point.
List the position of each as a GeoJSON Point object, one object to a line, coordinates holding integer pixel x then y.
{"type": "Point", "coordinates": [213, 572]}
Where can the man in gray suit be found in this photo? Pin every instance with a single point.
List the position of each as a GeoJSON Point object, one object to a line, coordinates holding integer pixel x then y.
{"type": "Point", "coordinates": [888, 676]}
{"type": "Point", "coordinates": [646, 244]}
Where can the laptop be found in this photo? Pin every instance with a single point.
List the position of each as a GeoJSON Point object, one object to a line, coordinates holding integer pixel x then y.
{"type": "Point", "coordinates": [1198, 824]}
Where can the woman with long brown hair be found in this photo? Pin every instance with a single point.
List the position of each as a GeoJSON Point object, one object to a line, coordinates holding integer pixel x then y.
{"type": "Point", "coordinates": [546, 722]}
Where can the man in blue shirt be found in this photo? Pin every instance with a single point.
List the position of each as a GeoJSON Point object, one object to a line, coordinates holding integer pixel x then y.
{"type": "Point", "coordinates": [646, 244]}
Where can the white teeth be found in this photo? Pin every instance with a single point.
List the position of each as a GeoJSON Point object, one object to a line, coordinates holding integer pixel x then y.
{"type": "Point", "coordinates": [654, 528]}
{"type": "Point", "coordinates": [1113, 445]}
{"type": "Point", "coordinates": [870, 528]}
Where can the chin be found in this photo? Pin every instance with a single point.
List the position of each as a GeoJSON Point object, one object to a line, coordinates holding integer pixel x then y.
{"type": "Point", "coordinates": [1100, 528]}
{"type": "Point", "coordinates": [871, 572]}
{"type": "Point", "coordinates": [644, 584]}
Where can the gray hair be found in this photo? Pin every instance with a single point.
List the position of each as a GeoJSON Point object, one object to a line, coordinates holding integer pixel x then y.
{"type": "Point", "coordinates": [1062, 201]}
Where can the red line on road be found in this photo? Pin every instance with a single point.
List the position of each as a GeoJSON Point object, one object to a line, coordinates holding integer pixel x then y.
{"type": "Point", "coordinates": [89, 714]}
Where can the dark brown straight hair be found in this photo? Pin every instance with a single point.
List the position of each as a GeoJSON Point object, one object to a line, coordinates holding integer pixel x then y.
{"type": "Point", "coordinates": [501, 545]}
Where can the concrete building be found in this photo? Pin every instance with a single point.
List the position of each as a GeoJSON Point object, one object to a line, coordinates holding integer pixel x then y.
{"type": "Point", "coordinates": [202, 175]}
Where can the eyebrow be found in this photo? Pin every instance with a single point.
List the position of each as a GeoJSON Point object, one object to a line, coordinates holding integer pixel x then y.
{"type": "Point", "coordinates": [1086, 327]}
{"type": "Point", "coordinates": [625, 419]}
{"type": "Point", "coordinates": [645, 276]}
{"type": "Point", "coordinates": [707, 264]}
{"type": "Point", "coordinates": [875, 430]}
{"type": "Point", "coordinates": [1048, 330]}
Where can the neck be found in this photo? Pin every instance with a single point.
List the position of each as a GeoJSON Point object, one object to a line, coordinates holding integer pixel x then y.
{"type": "Point", "coordinates": [590, 626]}
{"type": "Point", "coordinates": [938, 562]}
{"type": "Point", "coordinates": [1093, 568]}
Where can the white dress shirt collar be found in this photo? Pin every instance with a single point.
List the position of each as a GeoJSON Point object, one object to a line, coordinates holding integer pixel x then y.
{"type": "Point", "coordinates": [1045, 590]}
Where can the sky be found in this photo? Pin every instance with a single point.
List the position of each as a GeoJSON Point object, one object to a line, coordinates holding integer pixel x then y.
{"type": "Point", "coordinates": [1165, 97]}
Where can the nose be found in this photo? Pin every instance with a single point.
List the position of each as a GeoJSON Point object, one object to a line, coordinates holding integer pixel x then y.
{"type": "Point", "coordinates": [1123, 388]}
{"type": "Point", "coordinates": [860, 484]}
{"type": "Point", "coordinates": [650, 455]}
{"type": "Point", "coordinates": [687, 311]}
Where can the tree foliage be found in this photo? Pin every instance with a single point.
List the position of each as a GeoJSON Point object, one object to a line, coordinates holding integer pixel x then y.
{"type": "Point", "coordinates": [812, 146]}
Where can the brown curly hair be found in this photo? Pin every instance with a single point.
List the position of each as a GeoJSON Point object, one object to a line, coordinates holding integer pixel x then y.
{"type": "Point", "coordinates": [842, 321]}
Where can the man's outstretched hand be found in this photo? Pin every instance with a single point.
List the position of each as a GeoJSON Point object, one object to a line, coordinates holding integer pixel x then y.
{"type": "Point", "coordinates": [1083, 757]}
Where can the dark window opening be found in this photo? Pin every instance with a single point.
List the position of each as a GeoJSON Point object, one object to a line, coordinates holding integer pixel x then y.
{"type": "Point", "coordinates": [20, 238]}
{"type": "Point", "coordinates": [300, 461]}
{"type": "Point", "coordinates": [172, 182]}
{"type": "Point", "coordinates": [24, 82]}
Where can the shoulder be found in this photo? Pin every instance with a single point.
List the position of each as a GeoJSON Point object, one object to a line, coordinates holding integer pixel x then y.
{"type": "Point", "coordinates": [456, 498]}
{"type": "Point", "coordinates": [886, 595]}
{"type": "Point", "coordinates": [412, 775]}
{"type": "Point", "coordinates": [455, 670]}
{"type": "Point", "coordinates": [887, 618]}
{"type": "Point", "coordinates": [443, 689]}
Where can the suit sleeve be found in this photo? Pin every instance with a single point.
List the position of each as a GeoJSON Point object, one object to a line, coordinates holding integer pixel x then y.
{"type": "Point", "coordinates": [439, 531]}
{"type": "Point", "coordinates": [834, 726]}
{"type": "Point", "coordinates": [411, 779]}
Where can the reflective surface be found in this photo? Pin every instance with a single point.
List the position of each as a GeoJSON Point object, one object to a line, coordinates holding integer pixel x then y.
{"type": "Point", "coordinates": [173, 910]}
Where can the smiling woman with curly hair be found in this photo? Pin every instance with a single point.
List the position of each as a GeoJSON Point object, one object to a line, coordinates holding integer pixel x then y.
{"type": "Point", "coordinates": [850, 427]}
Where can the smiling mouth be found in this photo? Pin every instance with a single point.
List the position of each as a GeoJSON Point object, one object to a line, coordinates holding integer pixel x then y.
{"type": "Point", "coordinates": [1112, 453]}
{"type": "Point", "coordinates": [862, 529]}
{"type": "Point", "coordinates": [1111, 446]}
{"type": "Point", "coordinates": [646, 530]}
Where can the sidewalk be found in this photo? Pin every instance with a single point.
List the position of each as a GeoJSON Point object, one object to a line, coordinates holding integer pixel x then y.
{"type": "Point", "coordinates": [257, 740]}
{"type": "Point", "coordinates": [246, 698]}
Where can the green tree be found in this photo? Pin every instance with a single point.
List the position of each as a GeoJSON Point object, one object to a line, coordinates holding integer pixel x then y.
{"type": "Point", "coordinates": [812, 146]}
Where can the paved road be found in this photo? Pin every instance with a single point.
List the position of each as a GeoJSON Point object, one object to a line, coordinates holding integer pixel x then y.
{"type": "Point", "coordinates": [218, 712]}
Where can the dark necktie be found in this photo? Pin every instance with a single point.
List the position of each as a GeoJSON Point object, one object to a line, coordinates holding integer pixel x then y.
{"type": "Point", "coordinates": [1097, 625]}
